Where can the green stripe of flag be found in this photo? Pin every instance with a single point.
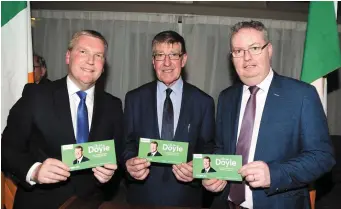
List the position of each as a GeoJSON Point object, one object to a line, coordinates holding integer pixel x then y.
{"type": "Point", "coordinates": [322, 47]}
{"type": "Point", "coordinates": [11, 8]}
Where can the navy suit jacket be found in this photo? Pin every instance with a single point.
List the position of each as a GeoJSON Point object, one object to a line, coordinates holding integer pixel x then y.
{"type": "Point", "coordinates": [293, 140]}
{"type": "Point", "coordinates": [38, 124]}
{"type": "Point", "coordinates": [195, 125]}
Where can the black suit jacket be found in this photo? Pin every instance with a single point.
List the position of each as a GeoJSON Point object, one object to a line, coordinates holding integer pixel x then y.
{"type": "Point", "coordinates": [38, 124]}
{"type": "Point", "coordinates": [195, 125]}
{"type": "Point", "coordinates": [84, 159]}
{"type": "Point", "coordinates": [156, 154]}
{"type": "Point", "coordinates": [211, 170]}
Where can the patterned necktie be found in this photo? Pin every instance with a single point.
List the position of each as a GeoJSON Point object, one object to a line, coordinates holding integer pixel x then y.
{"type": "Point", "coordinates": [237, 191]}
{"type": "Point", "coordinates": [82, 119]}
{"type": "Point", "coordinates": [168, 118]}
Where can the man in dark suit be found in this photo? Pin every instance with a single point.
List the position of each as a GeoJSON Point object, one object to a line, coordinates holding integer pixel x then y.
{"type": "Point", "coordinates": [276, 123]}
{"type": "Point", "coordinates": [167, 109]}
{"type": "Point", "coordinates": [207, 165]}
{"type": "Point", "coordinates": [80, 158]}
{"type": "Point", "coordinates": [67, 111]}
{"type": "Point", "coordinates": [153, 149]}
{"type": "Point", "coordinates": [39, 70]}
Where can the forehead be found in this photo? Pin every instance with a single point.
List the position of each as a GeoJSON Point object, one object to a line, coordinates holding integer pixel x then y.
{"type": "Point", "coordinates": [246, 37]}
{"type": "Point", "coordinates": [35, 59]}
{"type": "Point", "coordinates": [90, 42]}
{"type": "Point", "coordinates": [164, 47]}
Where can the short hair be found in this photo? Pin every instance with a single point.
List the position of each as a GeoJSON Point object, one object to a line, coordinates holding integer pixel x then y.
{"type": "Point", "coordinates": [169, 37]}
{"type": "Point", "coordinates": [79, 147]}
{"type": "Point", "coordinates": [91, 33]}
{"type": "Point", "coordinates": [208, 158]}
{"type": "Point", "coordinates": [40, 60]}
{"type": "Point", "coordinates": [250, 24]}
{"type": "Point", "coordinates": [154, 142]}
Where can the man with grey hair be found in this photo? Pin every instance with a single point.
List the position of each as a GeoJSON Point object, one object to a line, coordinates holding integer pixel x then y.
{"type": "Point", "coordinates": [276, 123]}
{"type": "Point", "coordinates": [67, 111]}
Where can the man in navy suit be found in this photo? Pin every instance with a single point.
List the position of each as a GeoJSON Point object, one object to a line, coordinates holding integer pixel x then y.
{"type": "Point", "coordinates": [289, 145]}
{"type": "Point", "coordinates": [80, 158]}
{"type": "Point", "coordinates": [153, 149]}
{"type": "Point", "coordinates": [46, 117]}
{"type": "Point", "coordinates": [168, 109]}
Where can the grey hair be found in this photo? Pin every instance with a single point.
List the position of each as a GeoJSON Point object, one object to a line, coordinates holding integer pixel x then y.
{"type": "Point", "coordinates": [250, 24]}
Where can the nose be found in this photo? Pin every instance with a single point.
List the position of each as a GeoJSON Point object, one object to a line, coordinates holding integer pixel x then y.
{"type": "Point", "coordinates": [91, 59]}
{"type": "Point", "coordinates": [167, 61]}
{"type": "Point", "coordinates": [247, 55]}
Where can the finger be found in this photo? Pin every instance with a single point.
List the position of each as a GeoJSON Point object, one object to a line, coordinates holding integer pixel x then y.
{"type": "Point", "coordinates": [105, 171]}
{"type": "Point", "coordinates": [254, 164]}
{"type": "Point", "coordinates": [183, 173]}
{"type": "Point", "coordinates": [140, 173]}
{"type": "Point", "coordinates": [188, 166]}
{"type": "Point", "coordinates": [209, 182]}
{"type": "Point", "coordinates": [250, 178]}
{"type": "Point", "coordinates": [56, 163]}
{"type": "Point", "coordinates": [180, 178]}
{"type": "Point", "coordinates": [144, 175]}
{"type": "Point", "coordinates": [53, 169]}
{"type": "Point", "coordinates": [100, 178]}
{"type": "Point", "coordinates": [250, 171]}
{"type": "Point", "coordinates": [221, 186]}
{"type": "Point", "coordinates": [111, 166]}
{"type": "Point", "coordinates": [184, 170]}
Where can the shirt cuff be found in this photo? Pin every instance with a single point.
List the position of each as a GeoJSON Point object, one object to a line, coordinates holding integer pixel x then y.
{"type": "Point", "coordinates": [29, 173]}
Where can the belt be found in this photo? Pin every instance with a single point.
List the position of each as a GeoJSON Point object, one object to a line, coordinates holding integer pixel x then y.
{"type": "Point", "coordinates": [234, 206]}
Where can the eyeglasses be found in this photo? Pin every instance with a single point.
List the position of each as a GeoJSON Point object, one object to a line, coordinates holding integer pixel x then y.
{"type": "Point", "coordinates": [34, 66]}
{"type": "Point", "coordinates": [161, 57]}
{"type": "Point", "coordinates": [252, 50]}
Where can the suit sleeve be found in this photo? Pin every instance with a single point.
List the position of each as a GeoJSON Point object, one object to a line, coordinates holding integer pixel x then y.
{"type": "Point", "coordinates": [130, 139]}
{"type": "Point", "coordinates": [208, 128]}
{"type": "Point", "coordinates": [16, 158]}
{"type": "Point", "coordinates": [316, 156]}
{"type": "Point", "coordinates": [219, 145]}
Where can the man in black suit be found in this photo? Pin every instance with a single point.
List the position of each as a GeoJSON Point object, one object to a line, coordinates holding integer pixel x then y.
{"type": "Point", "coordinates": [80, 158]}
{"type": "Point", "coordinates": [153, 149]}
{"type": "Point", "coordinates": [207, 165]}
{"type": "Point", "coordinates": [167, 109]}
{"type": "Point", "coordinates": [67, 111]}
{"type": "Point", "coordinates": [39, 70]}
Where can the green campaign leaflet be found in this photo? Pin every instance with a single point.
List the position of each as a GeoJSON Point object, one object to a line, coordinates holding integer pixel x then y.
{"type": "Point", "coordinates": [162, 151]}
{"type": "Point", "coordinates": [88, 155]}
{"type": "Point", "coordinates": [217, 166]}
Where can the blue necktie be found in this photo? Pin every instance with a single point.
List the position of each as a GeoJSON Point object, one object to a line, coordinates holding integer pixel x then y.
{"type": "Point", "coordinates": [82, 119]}
{"type": "Point", "coordinates": [168, 118]}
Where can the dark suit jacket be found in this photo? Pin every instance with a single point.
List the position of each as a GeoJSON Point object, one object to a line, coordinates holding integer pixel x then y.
{"type": "Point", "coordinates": [38, 124]}
{"type": "Point", "coordinates": [156, 154]}
{"type": "Point", "coordinates": [195, 125]}
{"type": "Point", "coordinates": [84, 159]}
{"type": "Point", "coordinates": [293, 140]}
{"type": "Point", "coordinates": [211, 170]}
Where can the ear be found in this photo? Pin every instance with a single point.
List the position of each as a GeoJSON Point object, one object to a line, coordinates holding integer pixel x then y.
{"type": "Point", "coordinates": [183, 60]}
{"type": "Point", "coordinates": [67, 57]}
{"type": "Point", "coordinates": [270, 50]}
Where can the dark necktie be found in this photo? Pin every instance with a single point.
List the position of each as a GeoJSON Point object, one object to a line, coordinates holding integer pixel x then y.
{"type": "Point", "coordinates": [167, 118]}
{"type": "Point", "coordinates": [82, 119]}
{"type": "Point", "coordinates": [237, 191]}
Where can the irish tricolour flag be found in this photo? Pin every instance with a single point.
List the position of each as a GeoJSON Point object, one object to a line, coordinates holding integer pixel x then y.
{"type": "Point", "coordinates": [16, 53]}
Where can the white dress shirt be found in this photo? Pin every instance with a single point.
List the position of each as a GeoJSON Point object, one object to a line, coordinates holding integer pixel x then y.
{"type": "Point", "coordinates": [74, 100]}
{"type": "Point", "coordinates": [260, 102]}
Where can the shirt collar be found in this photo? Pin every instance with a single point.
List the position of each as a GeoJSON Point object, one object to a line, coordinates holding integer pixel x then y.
{"type": "Point", "coordinates": [176, 87]}
{"type": "Point", "coordinates": [265, 84]}
{"type": "Point", "coordinates": [72, 89]}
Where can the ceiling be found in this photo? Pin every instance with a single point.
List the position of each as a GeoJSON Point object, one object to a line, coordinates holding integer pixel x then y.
{"type": "Point", "coordinates": [280, 10]}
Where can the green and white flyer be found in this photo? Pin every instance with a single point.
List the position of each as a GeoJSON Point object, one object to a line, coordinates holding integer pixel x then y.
{"type": "Point", "coordinates": [162, 151]}
{"type": "Point", "coordinates": [89, 155]}
{"type": "Point", "coordinates": [217, 166]}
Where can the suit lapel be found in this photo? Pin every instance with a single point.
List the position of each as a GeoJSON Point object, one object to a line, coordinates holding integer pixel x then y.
{"type": "Point", "coordinates": [63, 112]}
{"type": "Point", "coordinates": [184, 111]}
{"type": "Point", "coordinates": [97, 114]}
{"type": "Point", "coordinates": [153, 111]}
{"type": "Point", "coordinates": [234, 118]}
{"type": "Point", "coordinates": [274, 97]}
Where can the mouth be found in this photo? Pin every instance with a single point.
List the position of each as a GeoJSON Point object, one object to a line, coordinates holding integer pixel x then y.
{"type": "Point", "coordinates": [87, 70]}
{"type": "Point", "coordinates": [249, 66]}
{"type": "Point", "coordinates": [167, 70]}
